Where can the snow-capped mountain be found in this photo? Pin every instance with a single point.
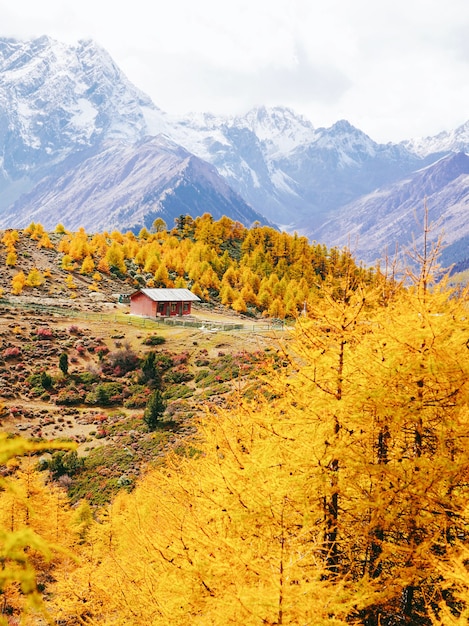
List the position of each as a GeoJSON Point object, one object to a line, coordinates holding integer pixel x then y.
{"type": "Point", "coordinates": [288, 170]}
{"type": "Point", "coordinates": [456, 140]}
{"type": "Point", "coordinates": [67, 109]}
{"type": "Point", "coordinates": [81, 145]}
{"type": "Point", "coordinates": [56, 99]}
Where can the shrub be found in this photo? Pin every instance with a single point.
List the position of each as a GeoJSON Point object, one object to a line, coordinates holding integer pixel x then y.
{"type": "Point", "coordinates": [101, 352]}
{"type": "Point", "coordinates": [205, 376]}
{"type": "Point", "coordinates": [86, 378]}
{"type": "Point", "coordinates": [154, 340]}
{"type": "Point", "coordinates": [121, 361]}
{"type": "Point", "coordinates": [138, 397]}
{"type": "Point", "coordinates": [176, 392]}
{"type": "Point", "coordinates": [44, 333]}
{"type": "Point", "coordinates": [105, 394]}
{"type": "Point", "coordinates": [62, 463]}
{"type": "Point", "coordinates": [181, 358]}
{"type": "Point", "coordinates": [179, 374]}
{"type": "Point", "coordinates": [75, 330]}
{"type": "Point", "coordinates": [11, 353]}
{"type": "Point", "coordinates": [70, 397]}
{"type": "Point", "coordinates": [41, 380]}
{"type": "Point", "coordinates": [163, 361]}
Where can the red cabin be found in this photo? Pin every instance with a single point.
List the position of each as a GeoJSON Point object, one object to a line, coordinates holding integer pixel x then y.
{"type": "Point", "coordinates": [162, 302]}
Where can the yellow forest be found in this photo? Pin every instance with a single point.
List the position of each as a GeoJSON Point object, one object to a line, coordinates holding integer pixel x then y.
{"type": "Point", "coordinates": [258, 270]}
{"type": "Point", "coordinates": [335, 495]}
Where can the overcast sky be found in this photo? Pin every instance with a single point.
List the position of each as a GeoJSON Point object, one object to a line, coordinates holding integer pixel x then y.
{"type": "Point", "coordinates": [394, 68]}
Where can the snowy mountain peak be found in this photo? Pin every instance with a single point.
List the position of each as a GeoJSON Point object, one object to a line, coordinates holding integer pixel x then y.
{"type": "Point", "coordinates": [268, 122]}
{"type": "Point", "coordinates": [456, 140]}
{"type": "Point", "coordinates": [56, 99]}
{"type": "Point", "coordinates": [346, 138]}
{"type": "Point", "coordinates": [279, 128]}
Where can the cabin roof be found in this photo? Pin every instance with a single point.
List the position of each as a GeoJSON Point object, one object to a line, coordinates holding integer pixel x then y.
{"type": "Point", "coordinates": [169, 295]}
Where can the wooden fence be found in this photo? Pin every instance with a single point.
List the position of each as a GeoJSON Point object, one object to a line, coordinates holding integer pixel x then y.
{"type": "Point", "coordinates": [206, 325]}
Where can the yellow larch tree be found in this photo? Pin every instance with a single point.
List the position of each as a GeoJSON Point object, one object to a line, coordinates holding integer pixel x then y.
{"type": "Point", "coordinates": [223, 538]}
{"type": "Point", "coordinates": [227, 294]}
{"type": "Point", "coordinates": [152, 262]}
{"type": "Point", "coordinates": [45, 242]}
{"type": "Point", "coordinates": [248, 295]}
{"type": "Point", "coordinates": [18, 283]}
{"type": "Point", "coordinates": [79, 246]}
{"type": "Point", "coordinates": [87, 267]}
{"type": "Point", "coordinates": [67, 263]}
{"type": "Point", "coordinates": [11, 259]}
{"type": "Point", "coordinates": [180, 283]}
{"type": "Point", "coordinates": [161, 276]}
{"type": "Point", "coordinates": [239, 304]}
{"type": "Point", "coordinates": [33, 532]}
{"type": "Point", "coordinates": [103, 266]}
{"type": "Point", "coordinates": [9, 239]}
{"type": "Point", "coordinates": [64, 244]}
{"type": "Point", "coordinates": [35, 278]}
{"type": "Point", "coordinates": [98, 246]}
{"type": "Point", "coordinates": [70, 282]}
{"type": "Point", "coordinates": [207, 277]}
{"type": "Point", "coordinates": [115, 258]}
{"type": "Point", "coordinates": [231, 277]}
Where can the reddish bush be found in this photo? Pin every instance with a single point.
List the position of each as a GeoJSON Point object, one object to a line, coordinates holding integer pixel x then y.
{"type": "Point", "coordinates": [102, 351]}
{"type": "Point", "coordinates": [11, 353]}
{"type": "Point", "coordinates": [44, 333]}
{"type": "Point", "coordinates": [180, 359]}
{"type": "Point", "coordinates": [74, 330]}
{"type": "Point", "coordinates": [120, 362]}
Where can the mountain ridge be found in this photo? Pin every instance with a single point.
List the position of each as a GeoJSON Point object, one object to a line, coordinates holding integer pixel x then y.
{"type": "Point", "coordinates": [396, 212]}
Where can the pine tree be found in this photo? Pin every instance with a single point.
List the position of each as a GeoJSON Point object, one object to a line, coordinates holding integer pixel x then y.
{"type": "Point", "coordinates": [63, 363]}
{"type": "Point", "coordinates": [156, 406]}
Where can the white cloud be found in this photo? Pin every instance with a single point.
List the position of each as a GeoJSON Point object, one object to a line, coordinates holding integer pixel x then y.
{"type": "Point", "coordinates": [395, 69]}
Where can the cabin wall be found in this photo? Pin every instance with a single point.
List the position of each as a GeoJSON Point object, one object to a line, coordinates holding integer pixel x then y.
{"type": "Point", "coordinates": [140, 304]}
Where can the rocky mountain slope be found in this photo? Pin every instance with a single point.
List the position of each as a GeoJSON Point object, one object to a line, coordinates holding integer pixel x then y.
{"type": "Point", "coordinates": [126, 187]}
{"type": "Point", "coordinates": [395, 213]}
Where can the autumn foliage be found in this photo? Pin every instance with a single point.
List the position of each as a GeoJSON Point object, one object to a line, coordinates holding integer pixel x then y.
{"type": "Point", "coordinates": [332, 492]}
